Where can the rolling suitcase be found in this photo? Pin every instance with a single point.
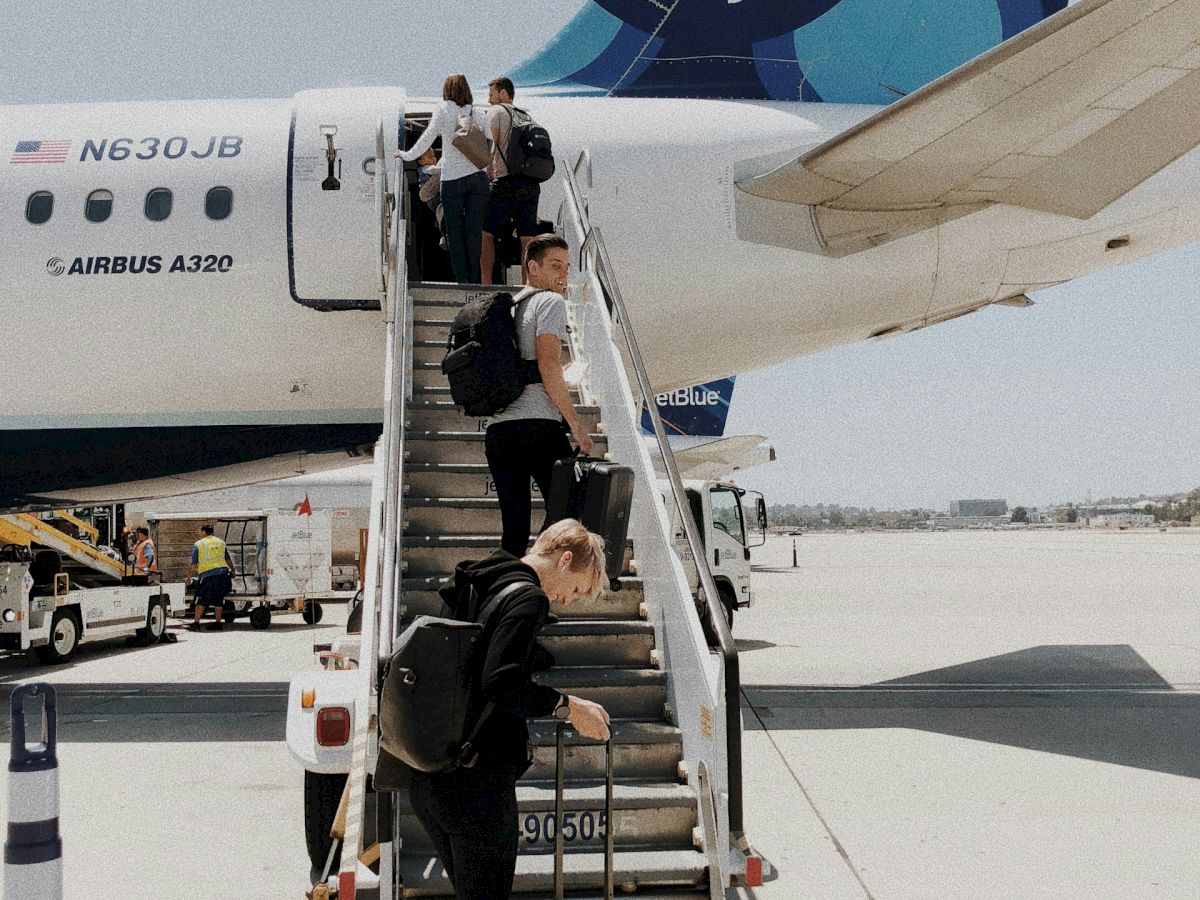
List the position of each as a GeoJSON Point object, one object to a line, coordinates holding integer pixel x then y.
{"type": "Point", "coordinates": [559, 783]}
{"type": "Point", "coordinates": [599, 494]}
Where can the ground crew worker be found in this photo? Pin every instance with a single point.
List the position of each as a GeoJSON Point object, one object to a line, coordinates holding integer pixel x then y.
{"type": "Point", "coordinates": [145, 559]}
{"type": "Point", "coordinates": [213, 567]}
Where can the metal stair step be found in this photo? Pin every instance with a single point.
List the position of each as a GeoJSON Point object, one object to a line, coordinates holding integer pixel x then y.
{"type": "Point", "coordinates": [442, 390]}
{"type": "Point", "coordinates": [584, 643]}
{"type": "Point", "coordinates": [421, 598]}
{"type": "Point", "coordinates": [426, 350]}
{"type": "Point", "coordinates": [644, 815]}
{"type": "Point", "coordinates": [459, 446]}
{"type": "Point", "coordinates": [645, 750]}
{"type": "Point", "coordinates": [624, 693]}
{"type": "Point", "coordinates": [431, 479]}
{"type": "Point", "coordinates": [460, 515]}
{"type": "Point", "coordinates": [581, 871]}
{"type": "Point", "coordinates": [438, 413]}
{"type": "Point", "coordinates": [437, 555]}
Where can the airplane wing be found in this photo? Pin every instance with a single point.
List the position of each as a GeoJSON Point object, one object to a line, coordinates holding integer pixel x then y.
{"type": "Point", "coordinates": [1066, 117]}
{"type": "Point", "coordinates": [720, 458]}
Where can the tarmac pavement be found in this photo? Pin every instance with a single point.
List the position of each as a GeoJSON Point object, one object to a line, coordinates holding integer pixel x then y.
{"type": "Point", "coordinates": [957, 715]}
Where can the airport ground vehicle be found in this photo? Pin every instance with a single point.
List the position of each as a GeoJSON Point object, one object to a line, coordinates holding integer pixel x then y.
{"type": "Point", "coordinates": [58, 589]}
{"type": "Point", "coordinates": [729, 531]}
{"type": "Point", "coordinates": [281, 559]}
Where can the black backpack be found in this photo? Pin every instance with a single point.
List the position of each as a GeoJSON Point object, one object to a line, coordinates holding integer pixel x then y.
{"type": "Point", "coordinates": [483, 363]}
{"type": "Point", "coordinates": [429, 711]}
{"type": "Point", "coordinates": [528, 154]}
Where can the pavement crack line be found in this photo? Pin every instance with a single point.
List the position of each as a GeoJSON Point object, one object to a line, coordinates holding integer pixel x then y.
{"type": "Point", "coordinates": [812, 804]}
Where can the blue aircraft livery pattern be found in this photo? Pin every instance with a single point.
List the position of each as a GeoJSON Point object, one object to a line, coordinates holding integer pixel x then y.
{"type": "Point", "coordinates": [837, 51]}
{"type": "Point", "coordinates": [699, 411]}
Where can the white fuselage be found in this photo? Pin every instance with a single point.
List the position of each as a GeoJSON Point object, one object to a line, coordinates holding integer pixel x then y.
{"type": "Point", "coordinates": [231, 337]}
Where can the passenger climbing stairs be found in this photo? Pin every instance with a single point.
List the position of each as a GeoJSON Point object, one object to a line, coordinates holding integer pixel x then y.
{"type": "Point", "coordinates": [605, 651]}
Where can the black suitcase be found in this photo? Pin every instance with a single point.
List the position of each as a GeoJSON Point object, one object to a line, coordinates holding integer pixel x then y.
{"type": "Point", "coordinates": [599, 494]}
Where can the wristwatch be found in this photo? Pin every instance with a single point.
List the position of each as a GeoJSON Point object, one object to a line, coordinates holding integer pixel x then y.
{"type": "Point", "coordinates": [563, 709]}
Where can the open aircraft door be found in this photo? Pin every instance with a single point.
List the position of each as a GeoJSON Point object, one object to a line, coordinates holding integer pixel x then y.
{"type": "Point", "coordinates": [336, 210]}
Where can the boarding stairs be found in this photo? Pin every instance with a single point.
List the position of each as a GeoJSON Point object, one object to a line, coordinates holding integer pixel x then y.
{"type": "Point", "coordinates": [432, 498]}
{"type": "Point", "coordinates": [85, 563]}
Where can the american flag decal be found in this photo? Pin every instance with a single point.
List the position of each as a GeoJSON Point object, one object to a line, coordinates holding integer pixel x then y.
{"type": "Point", "coordinates": [41, 152]}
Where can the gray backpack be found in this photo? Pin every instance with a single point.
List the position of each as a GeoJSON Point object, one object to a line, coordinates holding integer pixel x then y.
{"type": "Point", "coordinates": [429, 690]}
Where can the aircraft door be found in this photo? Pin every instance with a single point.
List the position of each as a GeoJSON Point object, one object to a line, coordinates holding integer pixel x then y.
{"type": "Point", "coordinates": [335, 210]}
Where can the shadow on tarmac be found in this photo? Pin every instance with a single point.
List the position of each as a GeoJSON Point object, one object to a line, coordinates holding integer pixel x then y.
{"type": "Point", "coordinates": [1098, 702]}
{"type": "Point", "coordinates": [138, 712]}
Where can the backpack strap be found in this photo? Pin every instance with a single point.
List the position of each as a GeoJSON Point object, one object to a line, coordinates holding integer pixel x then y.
{"type": "Point", "coordinates": [467, 755]}
{"type": "Point", "coordinates": [530, 373]}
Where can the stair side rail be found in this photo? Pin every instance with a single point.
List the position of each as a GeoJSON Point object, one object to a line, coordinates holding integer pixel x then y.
{"type": "Point", "coordinates": [382, 582]}
{"type": "Point", "coordinates": [707, 700]}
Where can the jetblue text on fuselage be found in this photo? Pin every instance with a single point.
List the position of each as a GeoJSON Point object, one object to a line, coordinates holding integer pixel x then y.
{"type": "Point", "coordinates": [225, 146]}
{"type": "Point", "coordinates": [693, 396]}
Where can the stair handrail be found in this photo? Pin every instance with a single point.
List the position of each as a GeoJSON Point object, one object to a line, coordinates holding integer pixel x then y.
{"type": "Point", "coordinates": [709, 607]}
{"type": "Point", "coordinates": [396, 316]}
{"type": "Point", "coordinates": [383, 545]}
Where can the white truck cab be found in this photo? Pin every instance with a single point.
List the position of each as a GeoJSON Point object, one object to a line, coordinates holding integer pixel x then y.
{"type": "Point", "coordinates": [730, 527]}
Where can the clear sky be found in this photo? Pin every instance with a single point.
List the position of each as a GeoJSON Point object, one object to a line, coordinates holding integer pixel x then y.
{"type": "Point", "coordinates": [1093, 389]}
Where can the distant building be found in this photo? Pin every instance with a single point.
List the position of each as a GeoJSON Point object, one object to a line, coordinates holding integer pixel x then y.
{"type": "Point", "coordinates": [964, 508]}
{"type": "Point", "coordinates": [951, 523]}
{"type": "Point", "coordinates": [1117, 517]}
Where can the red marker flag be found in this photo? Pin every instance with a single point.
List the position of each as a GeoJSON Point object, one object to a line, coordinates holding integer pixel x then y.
{"type": "Point", "coordinates": [304, 508]}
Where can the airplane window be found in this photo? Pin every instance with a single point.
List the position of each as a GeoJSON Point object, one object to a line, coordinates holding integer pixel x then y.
{"type": "Point", "coordinates": [38, 207]}
{"type": "Point", "coordinates": [99, 206]}
{"type": "Point", "coordinates": [218, 203]}
{"type": "Point", "coordinates": [158, 204]}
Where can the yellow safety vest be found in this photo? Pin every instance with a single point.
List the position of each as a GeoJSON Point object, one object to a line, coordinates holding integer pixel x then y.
{"type": "Point", "coordinates": [210, 554]}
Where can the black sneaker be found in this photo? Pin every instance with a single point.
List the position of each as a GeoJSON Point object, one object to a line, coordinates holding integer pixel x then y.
{"type": "Point", "coordinates": [195, 626]}
{"type": "Point", "coordinates": [214, 626]}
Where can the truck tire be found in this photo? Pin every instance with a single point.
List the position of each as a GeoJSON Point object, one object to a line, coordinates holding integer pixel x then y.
{"type": "Point", "coordinates": [64, 638]}
{"type": "Point", "coordinates": [729, 601]}
{"type": "Point", "coordinates": [322, 793]}
{"type": "Point", "coordinates": [312, 612]}
{"type": "Point", "coordinates": [156, 624]}
{"type": "Point", "coordinates": [260, 618]}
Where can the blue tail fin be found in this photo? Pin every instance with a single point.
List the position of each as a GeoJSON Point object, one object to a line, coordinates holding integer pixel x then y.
{"type": "Point", "coordinates": [839, 51]}
{"type": "Point", "coordinates": [698, 411]}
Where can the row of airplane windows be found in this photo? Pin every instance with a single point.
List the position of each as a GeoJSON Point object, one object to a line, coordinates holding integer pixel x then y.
{"type": "Point", "coordinates": [218, 204]}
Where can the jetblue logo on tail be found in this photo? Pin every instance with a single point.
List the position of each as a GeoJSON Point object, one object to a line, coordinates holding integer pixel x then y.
{"type": "Point", "coordinates": [839, 51]}
{"type": "Point", "coordinates": [700, 411]}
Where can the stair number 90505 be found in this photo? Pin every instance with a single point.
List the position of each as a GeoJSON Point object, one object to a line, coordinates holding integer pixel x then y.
{"type": "Point", "coordinates": [584, 826]}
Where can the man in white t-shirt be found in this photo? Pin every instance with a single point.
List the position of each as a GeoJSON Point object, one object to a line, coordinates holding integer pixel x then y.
{"type": "Point", "coordinates": [513, 202]}
{"type": "Point", "coordinates": [526, 438]}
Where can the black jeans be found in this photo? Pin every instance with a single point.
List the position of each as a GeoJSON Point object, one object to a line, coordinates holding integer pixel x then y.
{"type": "Point", "coordinates": [464, 204]}
{"type": "Point", "coordinates": [471, 817]}
{"type": "Point", "coordinates": [517, 451]}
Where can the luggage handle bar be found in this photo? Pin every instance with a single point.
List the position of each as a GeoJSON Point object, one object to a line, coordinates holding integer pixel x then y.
{"type": "Point", "coordinates": [559, 787]}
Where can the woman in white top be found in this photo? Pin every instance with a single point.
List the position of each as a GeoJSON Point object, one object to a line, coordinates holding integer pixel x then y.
{"type": "Point", "coordinates": [464, 184]}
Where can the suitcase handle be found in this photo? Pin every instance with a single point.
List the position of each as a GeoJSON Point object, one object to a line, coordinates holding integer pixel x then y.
{"type": "Point", "coordinates": [559, 785]}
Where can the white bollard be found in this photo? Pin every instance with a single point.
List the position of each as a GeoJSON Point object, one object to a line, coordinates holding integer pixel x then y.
{"type": "Point", "coordinates": [33, 851]}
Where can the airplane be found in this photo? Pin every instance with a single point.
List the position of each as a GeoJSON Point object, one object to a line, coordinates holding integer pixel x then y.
{"type": "Point", "coordinates": [187, 308]}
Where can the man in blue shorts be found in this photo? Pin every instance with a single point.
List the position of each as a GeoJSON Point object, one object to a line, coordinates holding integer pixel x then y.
{"type": "Point", "coordinates": [213, 568]}
{"type": "Point", "coordinates": [513, 204]}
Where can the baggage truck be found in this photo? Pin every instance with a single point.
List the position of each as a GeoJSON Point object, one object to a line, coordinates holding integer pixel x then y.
{"type": "Point", "coordinates": [42, 610]}
{"type": "Point", "coordinates": [281, 559]}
